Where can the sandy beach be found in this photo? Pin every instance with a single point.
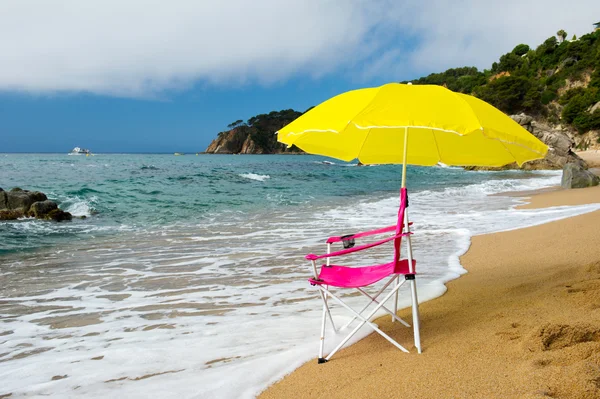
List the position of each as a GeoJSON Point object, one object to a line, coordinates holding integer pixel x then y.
{"type": "Point", "coordinates": [524, 322]}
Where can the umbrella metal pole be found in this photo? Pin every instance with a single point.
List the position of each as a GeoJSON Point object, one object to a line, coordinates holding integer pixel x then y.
{"type": "Point", "coordinates": [413, 282]}
{"type": "Point", "coordinates": [405, 218]}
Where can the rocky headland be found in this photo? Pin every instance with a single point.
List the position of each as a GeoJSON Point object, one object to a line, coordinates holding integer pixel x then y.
{"type": "Point", "coordinates": [256, 136]}
{"type": "Point", "coordinates": [18, 203]}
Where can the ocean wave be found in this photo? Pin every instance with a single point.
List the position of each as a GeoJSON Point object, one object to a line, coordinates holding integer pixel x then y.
{"type": "Point", "coordinates": [254, 176]}
{"type": "Point", "coordinates": [77, 206]}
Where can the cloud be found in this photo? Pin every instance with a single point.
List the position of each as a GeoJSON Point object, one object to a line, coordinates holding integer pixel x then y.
{"type": "Point", "coordinates": [143, 48]}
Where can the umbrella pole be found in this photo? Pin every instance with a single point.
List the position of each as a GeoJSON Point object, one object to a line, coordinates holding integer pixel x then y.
{"type": "Point", "coordinates": [405, 217]}
{"type": "Point", "coordinates": [413, 282]}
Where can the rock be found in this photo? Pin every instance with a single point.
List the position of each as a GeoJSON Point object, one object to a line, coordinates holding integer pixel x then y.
{"type": "Point", "coordinates": [230, 142]}
{"type": "Point", "coordinates": [594, 107]}
{"type": "Point", "coordinates": [10, 214]}
{"type": "Point", "coordinates": [588, 141]}
{"type": "Point", "coordinates": [18, 203]}
{"type": "Point", "coordinates": [37, 196]}
{"type": "Point", "coordinates": [59, 215]}
{"type": "Point", "coordinates": [41, 209]}
{"type": "Point", "coordinates": [249, 147]}
{"type": "Point", "coordinates": [522, 119]}
{"type": "Point", "coordinates": [560, 145]}
{"type": "Point", "coordinates": [18, 199]}
{"type": "Point", "coordinates": [575, 176]}
{"type": "Point", "coordinates": [560, 151]}
{"type": "Point", "coordinates": [3, 199]}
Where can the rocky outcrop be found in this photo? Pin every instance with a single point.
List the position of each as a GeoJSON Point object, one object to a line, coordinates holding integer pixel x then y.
{"type": "Point", "coordinates": [575, 176]}
{"type": "Point", "coordinates": [256, 136]}
{"type": "Point", "coordinates": [560, 143]}
{"type": "Point", "coordinates": [249, 147]}
{"type": "Point", "coordinates": [230, 142]}
{"type": "Point", "coordinates": [588, 141]}
{"type": "Point", "coordinates": [18, 203]}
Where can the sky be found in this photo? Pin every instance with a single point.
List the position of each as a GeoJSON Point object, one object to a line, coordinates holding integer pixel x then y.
{"type": "Point", "coordinates": [167, 76]}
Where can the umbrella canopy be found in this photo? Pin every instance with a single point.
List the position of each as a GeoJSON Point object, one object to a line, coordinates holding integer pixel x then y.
{"type": "Point", "coordinates": [375, 124]}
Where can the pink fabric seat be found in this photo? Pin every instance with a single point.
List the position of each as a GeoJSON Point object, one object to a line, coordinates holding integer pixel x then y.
{"type": "Point", "coordinates": [354, 277]}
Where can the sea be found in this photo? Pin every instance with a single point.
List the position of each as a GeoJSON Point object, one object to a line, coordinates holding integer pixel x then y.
{"type": "Point", "coordinates": [185, 276]}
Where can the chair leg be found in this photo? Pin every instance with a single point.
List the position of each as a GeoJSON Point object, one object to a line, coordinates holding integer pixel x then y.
{"type": "Point", "coordinates": [323, 322]}
{"type": "Point", "coordinates": [413, 287]}
{"type": "Point", "coordinates": [365, 320]}
{"type": "Point", "coordinates": [396, 303]}
{"type": "Point", "coordinates": [415, 314]}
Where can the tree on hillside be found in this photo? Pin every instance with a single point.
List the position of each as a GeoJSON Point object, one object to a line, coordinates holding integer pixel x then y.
{"type": "Point", "coordinates": [562, 35]}
{"type": "Point", "coordinates": [521, 49]}
{"type": "Point", "coordinates": [235, 124]}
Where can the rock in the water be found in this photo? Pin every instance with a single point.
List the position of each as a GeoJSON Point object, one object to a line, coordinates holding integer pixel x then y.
{"type": "Point", "coordinates": [59, 215]}
{"type": "Point", "coordinates": [18, 203]}
{"type": "Point", "coordinates": [6, 214]}
{"type": "Point", "coordinates": [41, 209]}
{"type": "Point", "coordinates": [3, 199]}
{"type": "Point", "coordinates": [37, 196]}
{"type": "Point", "coordinates": [19, 199]}
{"type": "Point", "coordinates": [574, 176]}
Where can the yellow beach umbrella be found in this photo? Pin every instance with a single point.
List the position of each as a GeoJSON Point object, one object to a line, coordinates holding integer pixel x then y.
{"type": "Point", "coordinates": [417, 125]}
{"type": "Point", "coordinates": [412, 124]}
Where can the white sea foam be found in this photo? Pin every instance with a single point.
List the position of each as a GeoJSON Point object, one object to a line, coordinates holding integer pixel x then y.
{"type": "Point", "coordinates": [223, 308]}
{"type": "Point", "coordinates": [254, 176]}
{"type": "Point", "coordinates": [79, 207]}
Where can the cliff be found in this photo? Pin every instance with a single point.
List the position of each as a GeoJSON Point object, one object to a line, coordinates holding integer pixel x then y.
{"type": "Point", "coordinates": [256, 136]}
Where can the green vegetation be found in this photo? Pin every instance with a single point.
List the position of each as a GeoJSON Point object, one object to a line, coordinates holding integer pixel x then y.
{"type": "Point", "coordinates": [559, 81]}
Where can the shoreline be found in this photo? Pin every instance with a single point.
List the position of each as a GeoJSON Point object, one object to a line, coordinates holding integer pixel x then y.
{"type": "Point", "coordinates": [520, 323]}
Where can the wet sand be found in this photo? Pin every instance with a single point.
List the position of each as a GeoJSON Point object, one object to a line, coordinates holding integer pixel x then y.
{"type": "Point", "coordinates": [524, 322]}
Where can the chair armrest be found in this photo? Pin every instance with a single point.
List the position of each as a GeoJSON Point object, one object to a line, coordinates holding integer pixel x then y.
{"type": "Point", "coordinates": [355, 249]}
{"type": "Point", "coordinates": [388, 229]}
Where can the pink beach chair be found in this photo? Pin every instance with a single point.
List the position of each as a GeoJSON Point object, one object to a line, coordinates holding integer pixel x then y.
{"type": "Point", "coordinates": [358, 278]}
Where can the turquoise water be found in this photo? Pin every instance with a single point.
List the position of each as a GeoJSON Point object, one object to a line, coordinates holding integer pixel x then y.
{"type": "Point", "coordinates": [139, 191]}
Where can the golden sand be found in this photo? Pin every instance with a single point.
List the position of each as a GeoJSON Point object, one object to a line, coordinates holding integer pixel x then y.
{"type": "Point", "coordinates": [523, 323]}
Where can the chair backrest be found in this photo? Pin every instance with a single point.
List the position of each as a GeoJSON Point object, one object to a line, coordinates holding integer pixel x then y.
{"type": "Point", "coordinates": [400, 224]}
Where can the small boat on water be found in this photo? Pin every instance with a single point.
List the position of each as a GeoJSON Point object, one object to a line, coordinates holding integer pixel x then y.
{"type": "Point", "coordinates": [80, 151]}
{"type": "Point", "coordinates": [179, 153]}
